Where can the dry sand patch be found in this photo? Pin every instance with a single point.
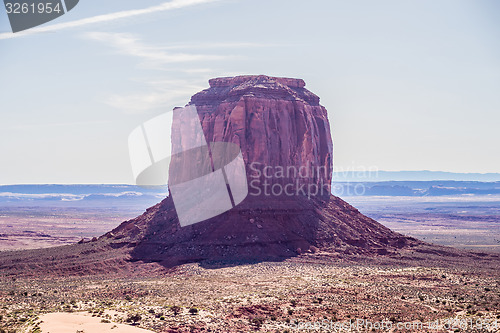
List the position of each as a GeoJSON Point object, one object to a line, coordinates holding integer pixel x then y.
{"type": "Point", "coordinates": [61, 322]}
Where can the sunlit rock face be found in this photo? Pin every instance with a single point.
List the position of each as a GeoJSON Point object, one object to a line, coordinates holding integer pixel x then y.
{"type": "Point", "coordinates": [281, 128]}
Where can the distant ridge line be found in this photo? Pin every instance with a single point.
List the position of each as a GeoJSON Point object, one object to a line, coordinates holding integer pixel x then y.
{"type": "Point", "coordinates": [423, 175]}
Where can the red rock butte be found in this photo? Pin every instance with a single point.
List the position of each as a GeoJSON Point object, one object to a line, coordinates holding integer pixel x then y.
{"type": "Point", "coordinates": [277, 123]}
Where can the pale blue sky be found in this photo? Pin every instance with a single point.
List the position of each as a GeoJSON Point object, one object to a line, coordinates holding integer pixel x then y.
{"type": "Point", "coordinates": [409, 85]}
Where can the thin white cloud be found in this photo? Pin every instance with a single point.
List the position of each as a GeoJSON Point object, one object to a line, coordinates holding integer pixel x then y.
{"type": "Point", "coordinates": [140, 102]}
{"type": "Point", "coordinates": [162, 94]}
{"type": "Point", "coordinates": [174, 4]}
{"type": "Point", "coordinates": [151, 56]}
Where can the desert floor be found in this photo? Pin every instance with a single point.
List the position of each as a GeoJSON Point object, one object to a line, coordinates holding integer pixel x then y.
{"type": "Point", "coordinates": [266, 297]}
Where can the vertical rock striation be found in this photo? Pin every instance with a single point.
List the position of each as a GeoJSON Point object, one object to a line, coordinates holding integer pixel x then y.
{"type": "Point", "coordinates": [279, 125]}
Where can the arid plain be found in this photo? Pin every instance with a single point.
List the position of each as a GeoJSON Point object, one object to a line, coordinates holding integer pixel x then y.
{"type": "Point", "coordinates": [313, 290]}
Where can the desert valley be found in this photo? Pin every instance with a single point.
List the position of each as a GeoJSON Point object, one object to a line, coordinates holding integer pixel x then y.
{"type": "Point", "coordinates": [393, 258]}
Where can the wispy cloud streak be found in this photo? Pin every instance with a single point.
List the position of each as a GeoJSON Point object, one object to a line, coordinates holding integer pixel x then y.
{"type": "Point", "coordinates": [161, 94]}
{"type": "Point", "coordinates": [152, 56]}
{"type": "Point", "coordinates": [171, 5]}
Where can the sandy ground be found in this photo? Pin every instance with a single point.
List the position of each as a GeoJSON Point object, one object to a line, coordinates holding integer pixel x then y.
{"type": "Point", "coordinates": [261, 297]}
{"type": "Point", "coordinates": [60, 322]}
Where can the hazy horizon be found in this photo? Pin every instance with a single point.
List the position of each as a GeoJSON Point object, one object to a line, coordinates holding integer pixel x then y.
{"type": "Point", "coordinates": [352, 175]}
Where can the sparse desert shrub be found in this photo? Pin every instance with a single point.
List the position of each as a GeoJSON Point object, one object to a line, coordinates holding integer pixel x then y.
{"type": "Point", "coordinates": [193, 311]}
{"type": "Point", "coordinates": [162, 318]}
{"type": "Point", "coordinates": [134, 318]}
{"type": "Point", "coordinates": [293, 302]}
{"type": "Point", "coordinates": [176, 309]}
{"type": "Point", "coordinates": [128, 298]}
{"type": "Point", "coordinates": [105, 321]}
{"type": "Point", "coordinates": [257, 322]}
{"type": "Point", "coordinates": [319, 300]}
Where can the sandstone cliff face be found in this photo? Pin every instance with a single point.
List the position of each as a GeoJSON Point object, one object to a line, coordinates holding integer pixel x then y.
{"type": "Point", "coordinates": [279, 125]}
